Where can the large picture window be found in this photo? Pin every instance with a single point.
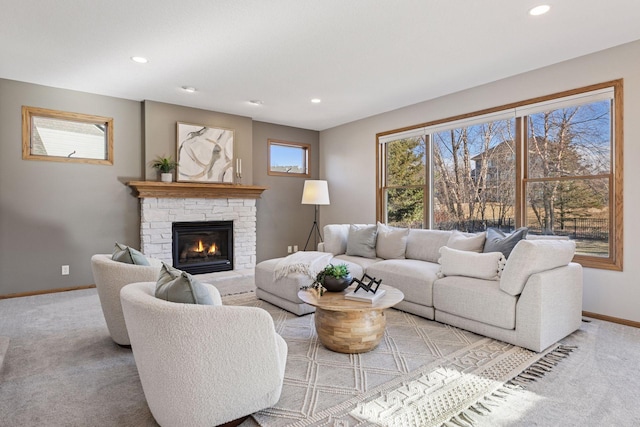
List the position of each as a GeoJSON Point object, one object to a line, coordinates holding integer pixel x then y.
{"type": "Point", "coordinates": [553, 164]}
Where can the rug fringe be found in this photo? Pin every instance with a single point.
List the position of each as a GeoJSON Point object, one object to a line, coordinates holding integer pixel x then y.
{"type": "Point", "coordinates": [534, 372]}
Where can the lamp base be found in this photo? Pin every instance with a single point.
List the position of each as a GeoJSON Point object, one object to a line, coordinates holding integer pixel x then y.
{"type": "Point", "coordinates": [315, 228]}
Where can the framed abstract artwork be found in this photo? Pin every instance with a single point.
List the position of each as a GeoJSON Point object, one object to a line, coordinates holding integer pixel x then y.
{"type": "Point", "coordinates": [205, 154]}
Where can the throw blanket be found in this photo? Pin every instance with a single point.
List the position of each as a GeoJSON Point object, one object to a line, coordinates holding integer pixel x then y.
{"type": "Point", "coordinates": [306, 262]}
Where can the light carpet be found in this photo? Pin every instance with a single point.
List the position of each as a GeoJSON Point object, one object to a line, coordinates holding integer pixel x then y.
{"type": "Point", "coordinates": [62, 369]}
{"type": "Point", "coordinates": [423, 373]}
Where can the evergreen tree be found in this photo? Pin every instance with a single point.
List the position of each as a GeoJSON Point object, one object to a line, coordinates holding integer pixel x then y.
{"type": "Point", "coordinates": [405, 179]}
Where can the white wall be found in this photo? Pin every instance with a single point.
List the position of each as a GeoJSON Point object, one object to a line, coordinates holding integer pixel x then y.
{"type": "Point", "coordinates": [348, 153]}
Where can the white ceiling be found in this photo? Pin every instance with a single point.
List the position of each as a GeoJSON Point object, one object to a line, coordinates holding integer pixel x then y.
{"type": "Point", "coordinates": [361, 57]}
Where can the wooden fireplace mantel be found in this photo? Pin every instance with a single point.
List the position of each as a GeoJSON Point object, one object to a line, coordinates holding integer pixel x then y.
{"type": "Point", "coordinates": [194, 190]}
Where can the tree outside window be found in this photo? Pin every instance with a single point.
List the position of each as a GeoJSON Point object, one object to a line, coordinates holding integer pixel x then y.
{"type": "Point", "coordinates": [554, 166]}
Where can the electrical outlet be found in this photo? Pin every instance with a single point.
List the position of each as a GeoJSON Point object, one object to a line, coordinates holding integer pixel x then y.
{"type": "Point", "coordinates": [295, 248]}
{"type": "Point", "coordinates": [65, 270]}
{"type": "Point", "coordinates": [289, 249]}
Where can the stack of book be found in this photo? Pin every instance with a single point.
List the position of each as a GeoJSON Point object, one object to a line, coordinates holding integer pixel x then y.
{"type": "Point", "coordinates": [363, 295]}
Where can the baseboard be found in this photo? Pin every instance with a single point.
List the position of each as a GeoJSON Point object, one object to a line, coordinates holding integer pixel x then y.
{"type": "Point", "coordinates": [611, 319]}
{"type": "Point", "coordinates": [46, 291]}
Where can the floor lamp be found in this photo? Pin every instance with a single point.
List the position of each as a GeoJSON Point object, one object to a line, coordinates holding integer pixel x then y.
{"type": "Point", "coordinates": [315, 192]}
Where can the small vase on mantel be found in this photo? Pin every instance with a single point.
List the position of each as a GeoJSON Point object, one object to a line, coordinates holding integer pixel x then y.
{"type": "Point", "coordinates": [165, 166]}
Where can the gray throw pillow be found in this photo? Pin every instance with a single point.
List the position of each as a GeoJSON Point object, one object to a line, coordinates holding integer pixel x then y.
{"type": "Point", "coordinates": [362, 240]}
{"type": "Point", "coordinates": [178, 286]}
{"type": "Point", "coordinates": [123, 253]}
{"type": "Point", "coordinates": [391, 242]}
{"type": "Point", "coordinates": [497, 241]}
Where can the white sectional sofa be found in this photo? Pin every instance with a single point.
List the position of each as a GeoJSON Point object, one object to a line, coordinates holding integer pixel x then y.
{"type": "Point", "coordinates": [531, 299]}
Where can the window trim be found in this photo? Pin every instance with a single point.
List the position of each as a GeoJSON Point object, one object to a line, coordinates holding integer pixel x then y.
{"type": "Point", "coordinates": [301, 145]}
{"type": "Point", "coordinates": [29, 113]}
{"type": "Point", "coordinates": [615, 259]}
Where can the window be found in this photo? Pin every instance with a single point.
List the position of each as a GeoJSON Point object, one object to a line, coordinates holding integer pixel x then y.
{"type": "Point", "coordinates": [66, 137]}
{"type": "Point", "coordinates": [553, 164]}
{"type": "Point", "coordinates": [474, 176]}
{"type": "Point", "coordinates": [406, 182]}
{"type": "Point", "coordinates": [288, 158]}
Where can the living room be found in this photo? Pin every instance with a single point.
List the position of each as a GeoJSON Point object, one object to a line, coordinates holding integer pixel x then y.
{"type": "Point", "coordinates": [56, 213]}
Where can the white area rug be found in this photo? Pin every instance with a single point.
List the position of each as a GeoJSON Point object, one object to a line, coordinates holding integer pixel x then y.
{"type": "Point", "coordinates": [423, 373]}
{"type": "Point", "coordinates": [62, 369]}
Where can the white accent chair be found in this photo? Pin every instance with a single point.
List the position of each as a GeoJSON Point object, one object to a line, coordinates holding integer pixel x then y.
{"type": "Point", "coordinates": [111, 276]}
{"type": "Point", "coordinates": [203, 365]}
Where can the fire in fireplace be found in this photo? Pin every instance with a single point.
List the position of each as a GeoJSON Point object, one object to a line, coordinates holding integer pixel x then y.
{"type": "Point", "coordinates": [203, 246]}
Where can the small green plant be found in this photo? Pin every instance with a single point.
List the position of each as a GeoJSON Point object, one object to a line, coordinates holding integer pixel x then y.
{"type": "Point", "coordinates": [339, 271]}
{"type": "Point", "coordinates": [165, 164]}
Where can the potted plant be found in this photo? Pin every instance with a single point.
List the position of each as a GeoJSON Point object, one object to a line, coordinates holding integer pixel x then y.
{"type": "Point", "coordinates": [333, 278]}
{"type": "Point", "coordinates": [165, 165]}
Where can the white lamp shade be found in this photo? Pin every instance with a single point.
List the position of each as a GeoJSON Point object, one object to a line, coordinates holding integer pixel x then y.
{"type": "Point", "coordinates": [315, 192]}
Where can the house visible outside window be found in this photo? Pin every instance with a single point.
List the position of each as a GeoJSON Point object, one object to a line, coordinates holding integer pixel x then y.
{"type": "Point", "coordinates": [553, 165]}
{"type": "Point", "coordinates": [288, 158]}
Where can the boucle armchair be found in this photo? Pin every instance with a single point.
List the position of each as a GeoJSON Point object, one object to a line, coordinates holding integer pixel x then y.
{"type": "Point", "coordinates": [110, 276]}
{"type": "Point", "coordinates": [203, 365]}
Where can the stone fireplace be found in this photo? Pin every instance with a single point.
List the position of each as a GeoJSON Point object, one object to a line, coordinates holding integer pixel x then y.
{"type": "Point", "coordinates": [165, 204]}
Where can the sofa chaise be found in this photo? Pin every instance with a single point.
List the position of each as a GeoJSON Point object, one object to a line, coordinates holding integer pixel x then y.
{"type": "Point", "coordinates": [532, 299]}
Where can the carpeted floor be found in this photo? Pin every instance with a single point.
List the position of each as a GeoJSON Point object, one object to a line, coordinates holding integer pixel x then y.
{"type": "Point", "coordinates": [62, 369]}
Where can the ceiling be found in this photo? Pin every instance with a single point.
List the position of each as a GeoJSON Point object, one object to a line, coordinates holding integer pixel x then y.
{"type": "Point", "coordinates": [360, 57]}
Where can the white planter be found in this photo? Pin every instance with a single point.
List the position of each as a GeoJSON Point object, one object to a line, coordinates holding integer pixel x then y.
{"type": "Point", "coordinates": [166, 177]}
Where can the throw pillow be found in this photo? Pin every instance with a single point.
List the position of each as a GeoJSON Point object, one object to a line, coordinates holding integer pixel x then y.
{"type": "Point", "coordinates": [123, 253]}
{"type": "Point", "coordinates": [178, 286]}
{"type": "Point", "coordinates": [497, 241]}
{"type": "Point", "coordinates": [466, 241]}
{"type": "Point", "coordinates": [335, 238]}
{"type": "Point", "coordinates": [486, 266]}
{"type": "Point", "coordinates": [391, 242]}
{"type": "Point", "coordinates": [362, 240]}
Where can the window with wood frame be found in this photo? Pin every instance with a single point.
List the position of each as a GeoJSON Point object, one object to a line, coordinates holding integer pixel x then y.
{"type": "Point", "coordinates": [552, 164]}
{"type": "Point", "coordinates": [288, 158]}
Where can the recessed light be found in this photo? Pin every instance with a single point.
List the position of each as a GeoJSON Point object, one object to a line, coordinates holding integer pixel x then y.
{"type": "Point", "coordinates": [316, 100]}
{"type": "Point", "coordinates": [256, 102]}
{"type": "Point", "coordinates": [189, 89]}
{"type": "Point", "coordinates": [539, 10]}
{"type": "Point", "coordinates": [139, 59]}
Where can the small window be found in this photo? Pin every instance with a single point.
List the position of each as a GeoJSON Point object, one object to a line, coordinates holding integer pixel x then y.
{"type": "Point", "coordinates": [59, 136]}
{"type": "Point", "coordinates": [289, 158]}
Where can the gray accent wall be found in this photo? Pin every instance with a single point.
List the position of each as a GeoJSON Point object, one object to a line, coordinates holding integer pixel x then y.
{"type": "Point", "coordinates": [54, 214]}
{"type": "Point", "coordinates": [609, 293]}
{"type": "Point", "coordinates": [160, 133]}
{"type": "Point", "coordinates": [282, 220]}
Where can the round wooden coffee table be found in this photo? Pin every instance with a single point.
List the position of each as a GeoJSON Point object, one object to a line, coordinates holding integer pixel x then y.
{"type": "Point", "coordinates": [348, 326]}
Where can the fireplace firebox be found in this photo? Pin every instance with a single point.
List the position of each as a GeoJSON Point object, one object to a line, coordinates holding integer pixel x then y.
{"type": "Point", "coordinates": [203, 246]}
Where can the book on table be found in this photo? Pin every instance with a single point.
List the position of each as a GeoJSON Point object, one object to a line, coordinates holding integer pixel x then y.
{"type": "Point", "coordinates": [362, 295]}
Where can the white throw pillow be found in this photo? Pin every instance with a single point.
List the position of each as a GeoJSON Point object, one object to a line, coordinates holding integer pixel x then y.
{"type": "Point", "coordinates": [391, 242]}
{"type": "Point", "coordinates": [362, 240]}
{"type": "Point", "coordinates": [335, 238]}
{"type": "Point", "coordinates": [466, 241]}
{"type": "Point", "coordinates": [486, 266]}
